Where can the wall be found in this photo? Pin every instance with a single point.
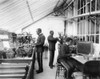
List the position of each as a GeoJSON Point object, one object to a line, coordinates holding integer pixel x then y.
{"type": "Point", "coordinates": [71, 28]}
{"type": "Point", "coordinates": [47, 24]}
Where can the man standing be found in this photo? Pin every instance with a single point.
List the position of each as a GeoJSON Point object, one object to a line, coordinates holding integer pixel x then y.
{"type": "Point", "coordinates": [52, 41]}
{"type": "Point", "coordinates": [39, 49]}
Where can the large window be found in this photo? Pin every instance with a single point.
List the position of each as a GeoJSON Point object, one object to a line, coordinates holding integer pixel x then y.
{"type": "Point", "coordinates": [88, 29]}
{"type": "Point", "coordinates": [86, 18]}
{"type": "Point", "coordinates": [86, 6]}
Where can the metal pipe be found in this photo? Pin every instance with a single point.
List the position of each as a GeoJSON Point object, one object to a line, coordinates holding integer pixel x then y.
{"type": "Point", "coordinates": [82, 15]}
{"type": "Point", "coordinates": [29, 9]}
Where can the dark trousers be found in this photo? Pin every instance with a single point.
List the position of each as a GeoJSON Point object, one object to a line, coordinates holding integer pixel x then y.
{"type": "Point", "coordinates": [51, 58]}
{"type": "Point", "coordinates": [40, 60]}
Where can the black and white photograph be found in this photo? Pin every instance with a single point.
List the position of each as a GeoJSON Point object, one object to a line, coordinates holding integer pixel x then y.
{"type": "Point", "coordinates": [49, 39]}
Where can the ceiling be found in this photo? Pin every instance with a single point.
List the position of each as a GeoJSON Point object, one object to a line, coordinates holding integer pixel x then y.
{"type": "Point", "coordinates": [16, 14]}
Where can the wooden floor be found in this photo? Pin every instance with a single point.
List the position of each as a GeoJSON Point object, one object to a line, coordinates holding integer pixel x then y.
{"type": "Point", "coordinates": [47, 73]}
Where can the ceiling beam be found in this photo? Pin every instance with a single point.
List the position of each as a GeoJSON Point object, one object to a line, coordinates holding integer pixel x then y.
{"type": "Point", "coordinates": [36, 21]}
{"type": "Point", "coordinates": [29, 9]}
{"type": "Point", "coordinates": [69, 4]}
{"type": "Point", "coordinates": [82, 15]}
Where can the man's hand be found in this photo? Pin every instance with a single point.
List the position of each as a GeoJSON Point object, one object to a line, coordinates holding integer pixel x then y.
{"type": "Point", "coordinates": [35, 49]}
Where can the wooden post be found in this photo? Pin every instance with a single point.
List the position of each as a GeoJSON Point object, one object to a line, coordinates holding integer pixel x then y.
{"type": "Point", "coordinates": [65, 22]}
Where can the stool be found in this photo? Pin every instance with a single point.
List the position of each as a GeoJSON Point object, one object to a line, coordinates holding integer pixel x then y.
{"type": "Point", "coordinates": [69, 68]}
{"type": "Point", "coordinates": [60, 71]}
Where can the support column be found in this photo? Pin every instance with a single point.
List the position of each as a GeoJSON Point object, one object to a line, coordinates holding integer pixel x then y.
{"type": "Point", "coordinates": [65, 23]}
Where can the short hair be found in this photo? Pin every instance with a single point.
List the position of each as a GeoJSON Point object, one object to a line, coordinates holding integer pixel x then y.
{"type": "Point", "coordinates": [39, 29]}
{"type": "Point", "coordinates": [51, 31]}
{"type": "Point", "coordinates": [68, 39]}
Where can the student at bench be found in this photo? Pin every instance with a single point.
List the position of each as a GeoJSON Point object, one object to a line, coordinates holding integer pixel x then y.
{"type": "Point", "coordinates": [65, 49]}
{"type": "Point", "coordinates": [65, 57]}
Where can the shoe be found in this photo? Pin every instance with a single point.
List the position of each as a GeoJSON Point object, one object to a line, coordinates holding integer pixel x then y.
{"type": "Point", "coordinates": [39, 71]}
{"type": "Point", "coordinates": [51, 67]}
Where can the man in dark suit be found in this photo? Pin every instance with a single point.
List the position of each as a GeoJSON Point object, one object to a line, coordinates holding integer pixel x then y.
{"type": "Point", "coordinates": [39, 49]}
{"type": "Point", "coordinates": [65, 49]}
{"type": "Point", "coordinates": [52, 42]}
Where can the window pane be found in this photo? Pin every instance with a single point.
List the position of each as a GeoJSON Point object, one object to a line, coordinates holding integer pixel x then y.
{"type": "Point", "coordinates": [93, 5]}
{"type": "Point", "coordinates": [98, 4]}
{"type": "Point", "coordinates": [88, 0]}
{"type": "Point", "coordinates": [97, 38]}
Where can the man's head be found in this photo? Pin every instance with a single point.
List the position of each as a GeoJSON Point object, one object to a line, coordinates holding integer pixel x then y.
{"type": "Point", "coordinates": [68, 40]}
{"type": "Point", "coordinates": [51, 32]}
{"type": "Point", "coordinates": [38, 31]}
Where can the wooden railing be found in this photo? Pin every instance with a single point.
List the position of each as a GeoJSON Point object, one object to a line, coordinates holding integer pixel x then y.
{"type": "Point", "coordinates": [30, 74]}
{"type": "Point", "coordinates": [21, 68]}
